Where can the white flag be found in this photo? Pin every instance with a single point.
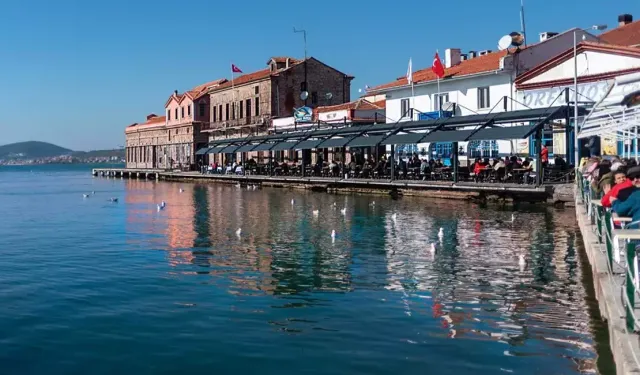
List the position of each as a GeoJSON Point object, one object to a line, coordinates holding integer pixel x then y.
{"type": "Point", "coordinates": [409, 74]}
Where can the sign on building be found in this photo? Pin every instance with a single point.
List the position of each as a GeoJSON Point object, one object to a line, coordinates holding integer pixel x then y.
{"type": "Point", "coordinates": [303, 114]}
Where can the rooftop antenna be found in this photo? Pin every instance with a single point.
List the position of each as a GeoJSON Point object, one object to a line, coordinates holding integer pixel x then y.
{"type": "Point", "coordinates": [522, 26]}
{"type": "Point", "coordinates": [304, 35]}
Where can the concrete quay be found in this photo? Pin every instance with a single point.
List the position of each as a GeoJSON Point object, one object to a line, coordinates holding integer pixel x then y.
{"type": "Point", "coordinates": [480, 192]}
{"type": "Point", "coordinates": [625, 345]}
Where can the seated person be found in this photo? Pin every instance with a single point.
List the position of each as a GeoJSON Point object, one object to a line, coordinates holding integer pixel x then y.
{"type": "Point", "coordinates": [621, 183]}
{"type": "Point", "coordinates": [630, 206]}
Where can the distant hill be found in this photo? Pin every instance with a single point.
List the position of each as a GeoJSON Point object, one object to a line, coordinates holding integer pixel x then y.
{"type": "Point", "coordinates": [31, 150]}
{"type": "Point", "coordinates": [99, 153]}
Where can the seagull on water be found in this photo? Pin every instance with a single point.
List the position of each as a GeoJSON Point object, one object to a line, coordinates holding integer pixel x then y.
{"type": "Point", "coordinates": [85, 195]}
{"type": "Point", "coordinates": [293, 202]}
{"type": "Point", "coordinates": [159, 207]}
{"type": "Point", "coordinates": [441, 233]}
{"type": "Point", "coordinates": [114, 200]}
{"type": "Point", "coordinates": [433, 248]}
{"type": "Point", "coordinates": [93, 192]}
{"type": "Point", "coordinates": [522, 262]}
{"type": "Point", "coordinates": [163, 204]}
{"type": "Point", "coordinates": [373, 203]}
{"type": "Point", "coordinates": [513, 217]}
{"type": "Point", "coordinates": [239, 232]}
{"type": "Point", "coordinates": [343, 211]}
{"type": "Point", "coordinates": [181, 190]}
{"type": "Point", "coordinates": [394, 216]}
{"type": "Point", "coordinates": [333, 234]}
{"type": "Point", "coordinates": [316, 212]}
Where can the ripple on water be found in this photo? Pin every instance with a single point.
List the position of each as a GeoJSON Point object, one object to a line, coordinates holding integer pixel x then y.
{"type": "Point", "coordinates": [94, 286]}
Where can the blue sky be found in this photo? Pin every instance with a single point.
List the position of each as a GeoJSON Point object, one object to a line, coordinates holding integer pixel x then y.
{"type": "Point", "coordinates": [76, 72]}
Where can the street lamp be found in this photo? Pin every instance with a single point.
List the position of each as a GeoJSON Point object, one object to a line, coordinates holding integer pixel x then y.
{"type": "Point", "coordinates": [575, 87]}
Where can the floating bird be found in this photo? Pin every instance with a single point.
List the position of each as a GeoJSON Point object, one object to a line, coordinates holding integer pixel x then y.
{"type": "Point", "coordinates": [238, 185]}
{"type": "Point", "coordinates": [163, 204]}
{"type": "Point", "coordinates": [333, 234]}
{"type": "Point", "coordinates": [181, 190]}
{"type": "Point", "coordinates": [441, 233]}
{"type": "Point", "coordinates": [254, 187]}
{"type": "Point", "coordinates": [114, 200]}
{"type": "Point", "coordinates": [433, 248]}
{"type": "Point", "coordinates": [293, 202]}
{"type": "Point", "coordinates": [159, 207]}
{"type": "Point", "coordinates": [343, 211]}
{"type": "Point", "coordinates": [522, 261]}
{"type": "Point", "coordinates": [513, 217]}
{"type": "Point", "coordinates": [85, 195]}
{"type": "Point", "coordinates": [373, 203]}
{"type": "Point", "coordinates": [394, 217]}
{"type": "Point", "coordinates": [93, 192]}
{"type": "Point", "coordinates": [239, 232]}
{"type": "Point", "coordinates": [316, 212]}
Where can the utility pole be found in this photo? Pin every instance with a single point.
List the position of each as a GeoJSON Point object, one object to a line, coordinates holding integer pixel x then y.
{"type": "Point", "coordinates": [304, 35]}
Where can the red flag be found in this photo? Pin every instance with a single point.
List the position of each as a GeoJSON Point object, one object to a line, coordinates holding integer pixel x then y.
{"type": "Point", "coordinates": [437, 67]}
{"type": "Point", "coordinates": [235, 69]}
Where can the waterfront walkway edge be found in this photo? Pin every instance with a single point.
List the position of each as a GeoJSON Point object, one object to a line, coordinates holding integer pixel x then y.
{"type": "Point", "coordinates": [624, 344]}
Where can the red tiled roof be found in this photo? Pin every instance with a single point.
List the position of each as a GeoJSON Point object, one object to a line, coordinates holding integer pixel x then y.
{"type": "Point", "coordinates": [155, 120]}
{"type": "Point", "coordinates": [196, 92]}
{"type": "Point", "coordinates": [360, 104]}
{"type": "Point", "coordinates": [480, 64]}
{"type": "Point", "coordinates": [627, 35]}
{"type": "Point", "coordinates": [245, 78]}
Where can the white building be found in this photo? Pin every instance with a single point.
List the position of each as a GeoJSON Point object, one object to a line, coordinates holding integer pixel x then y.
{"type": "Point", "coordinates": [474, 83]}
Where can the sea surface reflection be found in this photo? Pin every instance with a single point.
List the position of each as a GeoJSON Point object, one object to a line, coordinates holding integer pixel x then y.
{"type": "Point", "coordinates": [96, 287]}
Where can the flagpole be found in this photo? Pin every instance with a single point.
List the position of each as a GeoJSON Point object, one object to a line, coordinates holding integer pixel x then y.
{"type": "Point", "coordinates": [233, 93]}
{"type": "Point", "coordinates": [412, 93]}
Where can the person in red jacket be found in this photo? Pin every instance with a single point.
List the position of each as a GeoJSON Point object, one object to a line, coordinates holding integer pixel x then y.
{"type": "Point", "coordinates": [544, 155]}
{"type": "Point", "coordinates": [621, 183]}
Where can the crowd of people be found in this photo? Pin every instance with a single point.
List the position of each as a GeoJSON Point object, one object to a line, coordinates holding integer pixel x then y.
{"type": "Point", "coordinates": [616, 182]}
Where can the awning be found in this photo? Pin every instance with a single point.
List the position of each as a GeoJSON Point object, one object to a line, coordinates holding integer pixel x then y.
{"type": "Point", "coordinates": [402, 139]}
{"type": "Point", "coordinates": [507, 132]}
{"type": "Point", "coordinates": [308, 144]}
{"type": "Point", "coordinates": [283, 146]}
{"type": "Point", "coordinates": [447, 136]}
{"type": "Point", "coordinates": [363, 141]}
{"type": "Point", "coordinates": [202, 151]}
{"type": "Point", "coordinates": [334, 142]}
{"type": "Point", "coordinates": [263, 147]}
{"type": "Point", "coordinates": [229, 149]}
{"type": "Point", "coordinates": [246, 148]}
{"type": "Point", "coordinates": [216, 150]}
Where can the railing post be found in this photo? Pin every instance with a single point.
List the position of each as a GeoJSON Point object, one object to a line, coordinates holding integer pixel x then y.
{"type": "Point", "coordinates": [630, 287]}
{"type": "Point", "coordinates": [598, 219]}
{"type": "Point", "coordinates": [608, 235]}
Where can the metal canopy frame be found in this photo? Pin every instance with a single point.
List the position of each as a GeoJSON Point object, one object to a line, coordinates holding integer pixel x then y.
{"type": "Point", "coordinates": [438, 130]}
{"type": "Point", "coordinates": [203, 150]}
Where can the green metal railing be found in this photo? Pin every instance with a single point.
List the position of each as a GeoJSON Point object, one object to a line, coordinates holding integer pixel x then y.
{"type": "Point", "coordinates": [601, 218]}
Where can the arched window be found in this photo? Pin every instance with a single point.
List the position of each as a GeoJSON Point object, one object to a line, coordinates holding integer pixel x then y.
{"type": "Point", "coordinates": [482, 149]}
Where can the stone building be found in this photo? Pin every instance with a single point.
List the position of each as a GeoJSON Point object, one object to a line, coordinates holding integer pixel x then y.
{"type": "Point", "coordinates": [170, 141]}
{"type": "Point", "coordinates": [248, 104]}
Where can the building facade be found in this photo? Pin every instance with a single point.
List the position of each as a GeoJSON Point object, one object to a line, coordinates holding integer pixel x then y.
{"type": "Point", "coordinates": [250, 103]}
{"type": "Point", "coordinates": [170, 141]}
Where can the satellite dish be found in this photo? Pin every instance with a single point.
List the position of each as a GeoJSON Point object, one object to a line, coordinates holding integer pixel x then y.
{"type": "Point", "coordinates": [328, 96]}
{"type": "Point", "coordinates": [448, 106]}
{"type": "Point", "coordinates": [504, 42]}
{"type": "Point", "coordinates": [514, 39]}
{"type": "Point", "coordinates": [304, 95]}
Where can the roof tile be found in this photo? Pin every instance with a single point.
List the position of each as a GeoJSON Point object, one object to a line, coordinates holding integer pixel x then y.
{"type": "Point", "coordinates": [627, 35]}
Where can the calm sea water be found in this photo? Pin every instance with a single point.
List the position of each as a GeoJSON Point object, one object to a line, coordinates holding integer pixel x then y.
{"type": "Point", "coordinates": [93, 287]}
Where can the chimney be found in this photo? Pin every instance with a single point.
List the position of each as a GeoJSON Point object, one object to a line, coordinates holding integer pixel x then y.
{"type": "Point", "coordinates": [471, 55]}
{"type": "Point", "coordinates": [175, 92]}
{"type": "Point", "coordinates": [451, 57]}
{"type": "Point", "coordinates": [463, 57]}
{"type": "Point", "coordinates": [153, 115]}
{"type": "Point", "coordinates": [624, 19]}
{"type": "Point", "coordinates": [547, 35]}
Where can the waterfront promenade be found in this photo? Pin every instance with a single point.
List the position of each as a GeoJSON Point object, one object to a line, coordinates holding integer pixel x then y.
{"type": "Point", "coordinates": [465, 190]}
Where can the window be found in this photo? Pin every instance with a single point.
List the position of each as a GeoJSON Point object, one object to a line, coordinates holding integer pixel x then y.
{"type": "Point", "coordinates": [314, 97]}
{"type": "Point", "coordinates": [248, 107]}
{"type": "Point", "coordinates": [176, 113]}
{"type": "Point", "coordinates": [188, 110]}
{"type": "Point", "coordinates": [202, 107]}
{"type": "Point", "coordinates": [439, 100]}
{"type": "Point", "coordinates": [404, 108]}
{"type": "Point", "coordinates": [233, 111]}
{"type": "Point", "coordinates": [182, 111]}
{"type": "Point", "coordinates": [227, 111]}
{"type": "Point", "coordinates": [241, 109]}
{"type": "Point", "coordinates": [483, 98]}
{"type": "Point", "coordinates": [483, 149]}
{"type": "Point", "coordinates": [220, 112]}
{"type": "Point", "coordinates": [215, 113]}
{"type": "Point", "coordinates": [257, 107]}
{"type": "Point", "coordinates": [257, 90]}
{"type": "Point", "coordinates": [168, 114]}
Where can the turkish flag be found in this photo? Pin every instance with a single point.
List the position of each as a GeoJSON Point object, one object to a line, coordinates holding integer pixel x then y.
{"type": "Point", "coordinates": [437, 67]}
{"type": "Point", "coordinates": [235, 69]}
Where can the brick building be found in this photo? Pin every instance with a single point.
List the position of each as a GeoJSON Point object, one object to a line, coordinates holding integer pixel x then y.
{"type": "Point", "coordinates": [170, 141]}
{"type": "Point", "coordinates": [247, 105]}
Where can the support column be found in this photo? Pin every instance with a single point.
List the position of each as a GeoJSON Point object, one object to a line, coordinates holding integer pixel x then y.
{"type": "Point", "coordinates": [454, 147]}
{"type": "Point", "coordinates": [568, 140]}
{"type": "Point", "coordinates": [270, 163]}
{"type": "Point", "coordinates": [393, 162]}
{"type": "Point", "coordinates": [344, 160]}
{"type": "Point", "coordinates": [302, 164]}
{"type": "Point", "coordinates": [538, 149]}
